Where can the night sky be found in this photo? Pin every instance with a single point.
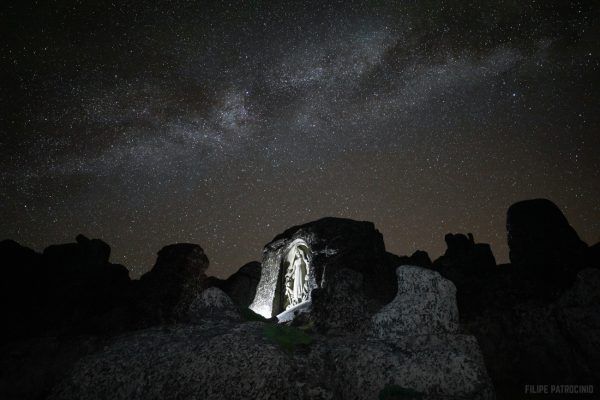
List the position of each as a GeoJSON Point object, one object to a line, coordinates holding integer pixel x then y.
{"type": "Point", "coordinates": [224, 124]}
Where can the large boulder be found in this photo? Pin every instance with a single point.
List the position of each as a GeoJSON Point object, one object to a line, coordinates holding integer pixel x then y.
{"type": "Point", "coordinates": [31, 367]}
{"type": "Point", "coordinates": [425, 305]}
{"type": "Point", "coordinates": [340, 306]}
{"type": "Point", "coordinates": [466, 263]}
{"type": "Point", "coordinates": [241, 286]}
{"type": "Point", "coordinates": [21, 285]}
{"type": "Point", "coordinates": [579, 317]}
{"type": "Point", "coordinates": [430, 357]}
{"type": "Point", "coordinates": [320, 249]}
{"type": "Point", "coordinates": [176, 279]}
{"type": "Point", "coordinates": [212, 303]}
{"type": "Point", "coordinates": [71, 287]}
{"type": "Point", "coordinates": [463, 252]}
{"type": "Point", "coordinates": [214, 360]}
{"type": "Point", "coordinates": [539, 235]}
{"type": "Point", "coordinates": [231, 360]}
{"type": "Point", "coordinates": [527, 338]}
{"type": "Point", "coordinates": [444, 366]}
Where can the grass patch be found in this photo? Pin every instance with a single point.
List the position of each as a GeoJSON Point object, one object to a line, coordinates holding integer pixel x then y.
{"type": "Point", "coordinates": [396, 392]}
{"type": "Point", "coordinates": [288, 337]}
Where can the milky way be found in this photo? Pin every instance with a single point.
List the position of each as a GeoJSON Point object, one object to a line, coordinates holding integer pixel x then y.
{"type": "Point", "coordinates": [224, 124]}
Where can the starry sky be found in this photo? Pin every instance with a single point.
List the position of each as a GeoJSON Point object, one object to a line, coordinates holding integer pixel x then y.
{"type": "Point", "coordinates": [225, 123]}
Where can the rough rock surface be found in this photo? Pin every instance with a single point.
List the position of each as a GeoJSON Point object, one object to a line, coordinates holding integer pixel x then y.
{"type": "Point", "coordinates": [525, 315]}
{"type": "Point", "coordinates": [174, 282]}
{"type": "Point", "coordinates": [241, 286]}
{"type": "Point", "coordinates": [340, 306]}
{"type": "Point", "coordinates": [425, 304]}
{"type": "Point", "coordinates": [212, 303]}
{"type": "Point", "coordinates": [540, 235]}
{"type": "Point", "coordinates": [334, 243]}
{"type": "Point", "coordinates": [210, 361]}
{"type": "Point", "coordinates": [202, 361]}
{"type": "Point", "coordinates": [579, 316]}
{"type": "Point", "coordinates": [526, 337]}
{"type": "Point", "coordinates": [32, 367]}
{"type": "Point", "coordinates": [446, 366]}
{"type": "Point", "coordinates": [65, 311]}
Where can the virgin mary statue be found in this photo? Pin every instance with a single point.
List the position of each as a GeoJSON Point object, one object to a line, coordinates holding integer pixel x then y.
{"type": "Point", "coordinates": [296, 280]}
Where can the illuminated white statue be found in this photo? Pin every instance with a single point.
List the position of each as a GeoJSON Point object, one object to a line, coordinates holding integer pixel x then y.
{"type": "Point", "coordinates": [296, 277]}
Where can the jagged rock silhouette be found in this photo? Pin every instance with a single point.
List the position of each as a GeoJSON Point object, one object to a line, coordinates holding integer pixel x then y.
{"type": "Point", "coordinates": [70, 313]}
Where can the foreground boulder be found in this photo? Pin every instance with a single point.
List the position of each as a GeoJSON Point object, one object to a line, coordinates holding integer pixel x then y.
{"type": "Point", "coordinates": [444, 366]}
{"type": "Point", "coordinates": [219, 361]}
{"type": "Point", "coordinates": [228, 359]}
{"type": "Point", "coordinates": [425, 305]}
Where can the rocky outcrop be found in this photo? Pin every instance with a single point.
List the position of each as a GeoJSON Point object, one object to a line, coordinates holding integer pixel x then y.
{"type": "Point", "coordinates": [241, 286]}
{"type": "Point", "coordinates": [330, 244]}
{"type": "Point", "coordinates": [212, 303]}
{"type": "Point", "coordinates": [539, 236]}
{"type": "Point", "coordinates": [419, 258]}
{"type": "Point", "coordinates": [178, 276]}
{"type": "Point", "coordinates": [425, 305]}
{"type": "Point", "coordinates": [529, 337]}
{"type": "Point", "coordinates": [72, 288]}
{"type": "Point", "coordinates": [463, 252]}
{"type": "Point", "coordinates": [69, 288]}
{"type": "Point", "coordinates": [21, 290]}
{"type": "Point", "coordinates": [444, 366]}
{"type": "Point", "coordinates": [466, 263]}
{"type": "Point", "coordinates": [67, 311]}
{"type": "Point", "coordinates": [340, 306]}
{"type": "Point", "coordinates": [524, 315]}
{"type": "Point", "coordinates": [211, 361]}
{"type": "Point", "coordinates": [579, 316]}
{"type": "Point", "coordinates": [225, 359]}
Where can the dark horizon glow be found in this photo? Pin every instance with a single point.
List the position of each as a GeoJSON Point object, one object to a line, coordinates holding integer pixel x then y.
{"type": "Point", "coordinates": [225, 124]}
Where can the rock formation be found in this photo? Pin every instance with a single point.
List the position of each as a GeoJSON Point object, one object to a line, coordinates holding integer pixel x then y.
{"type": "Point", "coordinates": [425, 305]}
{"type": "Point", "coordinates": [69, 288]}
{"type": "Point", "coordinates": [211, 303]}
{"type": "Point", "coordinates": [241, 286]}
{"type": "Point", "coordinates": [354, 326]}
{"type": "Point", "coordinates": [524, 315]}
{"type": "Point", "coordinates": [419, 258]}
{"type": "Point", "coordinates": [539, 235]}
{"type": "Point", "coordinates": [169, 288]}
{"type": "Point", "coordinates": [225, 359]}
{"type": "Point", "coordinates": [463, 252]}
{"type": "Point", "coordinates": [325, 246]}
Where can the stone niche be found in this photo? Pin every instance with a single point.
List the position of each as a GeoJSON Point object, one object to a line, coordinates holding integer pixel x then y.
{"type": "Point", "coordinates": [307, 258]}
